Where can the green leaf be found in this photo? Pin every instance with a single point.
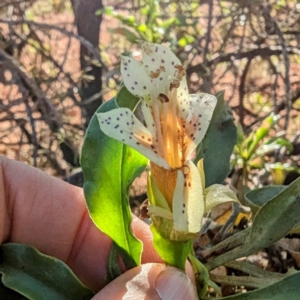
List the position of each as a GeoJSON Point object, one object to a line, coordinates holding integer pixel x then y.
{"type": "Point", "coordinates": [142, 28]}
{"type": "Point", "coordinates": [114, 268]}
{"type": "Point", "coordinates": [276, 218]}
{"type": "Point", "coordinates": [173, 253]}
{"type": "Point", "coordinates": [201, 274]}
{"type": "Point", "coordinates": [185, 40]}
{"type": "Point", "coordinates": [257, 272]}
{"type": "Point", "coordinates": [6, 293]}
{"type": "Point", "coordinates": [272, 145]}
{"type": "Point", "coordinates": [128, 34]}
{"type": "Point", "coordinates": [272, 222]}
{"type": "Point", "coordinates": [38, 276]}
{"type": "Point", "coordinates": [109, 167]}
{"type": "Point", "coordinates": [240, 135]}
{"type": "Point", "coordinates": [218, 143]}
{"type": "Point", "coordinates": [168, 23]}
{"type": "Point", "coordinates": [253, 140]}
{"type": "Point", "coordinates": [258, 197]}
{"type": "Point", "coordinates": [287, 288]}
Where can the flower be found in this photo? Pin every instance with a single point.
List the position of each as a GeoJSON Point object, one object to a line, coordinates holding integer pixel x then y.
{"type": "Point", "coordinates": [173, 124]}
{"type": "Point", "coordinates": [175, 121]}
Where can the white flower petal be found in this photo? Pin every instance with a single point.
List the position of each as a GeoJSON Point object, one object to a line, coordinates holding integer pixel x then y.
{"type": "Point", "coordinates": [183, 95]}
{"type": "Point", "coordinates": [217, 194]}
{"type": "Point", "coordinates": [134, 76]}
{"type": "Point", "coordinates": [200, 107]}
{"type": "Point", "coordinates": [161, 65]}
{"type": "Point", "coordinates": [179, 205]}
{"type": "Point", "coordinates": [188, 202]}
{"type": "Point", "coordinates": [156, 56]}
{"type": "Point", "coordinates": [148, 117]}
{"type": "Point", "coordinates": [121, 124]}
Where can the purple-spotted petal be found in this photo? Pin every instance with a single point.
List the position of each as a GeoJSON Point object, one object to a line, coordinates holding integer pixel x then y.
{"type": "Point", "coordinates": [162, 66]}
{"type": "Point", "coordinates": [183, 97]}
{"type": "Point", "coordinates": [121, 124]}
{"type": "Point", "coordinates": [156, 56]}
{"type": "Point", "coordinates": [148, 117]}
{"type": "Point", "coordinates": [134, 76]}
{"type": "Point", "coordinates": [179, 205]}
{"type": "Point", "coordinates": [200, 107]}
{"type": "Point", "coordinates": [188, 203]}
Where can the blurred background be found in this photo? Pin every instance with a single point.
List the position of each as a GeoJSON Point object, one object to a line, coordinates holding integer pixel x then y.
{"type": "Point", "coordinates": [59, 60]}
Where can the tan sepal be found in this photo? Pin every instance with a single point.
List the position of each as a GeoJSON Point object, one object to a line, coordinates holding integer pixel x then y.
{"type": "Point", "coordinates": [217, 194]}
{"type": "Point", "coordinates": [155, 196]}
{"type": "Point", "coordinates": [200, 167]}
{"type": "Point", "coordinates": [154, 210]}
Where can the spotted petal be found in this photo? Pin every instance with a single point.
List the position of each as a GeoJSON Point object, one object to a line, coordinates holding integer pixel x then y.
{"type": "Point", "coordinates": [188, 202]}
{"type": "Point", "coordinates": [148, 117]}
{"type": "Point", "coordinates": [182, 94]}
{"type": "Point", "coordinates": [155, 56]}
{"type": "Point", "coordinates": [197, 116]}
{"type": "Point", "coordinates": [121, 124]}
{"type": "Point", "coordinates": [134, 76]}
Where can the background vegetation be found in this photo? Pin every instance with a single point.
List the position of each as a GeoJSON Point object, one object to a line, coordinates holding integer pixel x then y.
{"type": "Point", "coordinates": [59, 60]}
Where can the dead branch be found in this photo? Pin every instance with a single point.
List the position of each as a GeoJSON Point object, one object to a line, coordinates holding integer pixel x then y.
{"type": "Point", "coordinates": [44, 104]}
{"type": "Point", "coordinates": [249, 54]}
{"type": "Point", "coordinates": [93, 50]}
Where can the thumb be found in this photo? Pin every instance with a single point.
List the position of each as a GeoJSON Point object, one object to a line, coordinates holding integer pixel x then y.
{"type": "Point", "coordinates": [173, 283]}
{"type": "Point", "coordinates": [150, 281]}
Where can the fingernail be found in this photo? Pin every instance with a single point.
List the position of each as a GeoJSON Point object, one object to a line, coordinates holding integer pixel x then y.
{"type": "Point", "coordinates": [175, 284]}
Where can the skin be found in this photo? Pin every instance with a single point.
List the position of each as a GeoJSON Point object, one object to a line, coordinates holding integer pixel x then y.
{"type": "Point", "coordinates": [51, 215]}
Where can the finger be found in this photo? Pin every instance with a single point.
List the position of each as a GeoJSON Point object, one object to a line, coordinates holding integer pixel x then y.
{"type": "Point", "coordinates": [150, 281]}
{"type": "Point", "coordinates": [51, 215]}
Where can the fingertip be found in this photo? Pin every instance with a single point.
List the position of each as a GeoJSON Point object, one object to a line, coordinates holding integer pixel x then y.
{"type": "Point", "coordinates": [137, 283]}
{"type": "Point", "coordinates": [172, 283]}
{"type": "Point", "coordinates": [142, 232]}
{"type": "Point", "coordinates": [151, 281]}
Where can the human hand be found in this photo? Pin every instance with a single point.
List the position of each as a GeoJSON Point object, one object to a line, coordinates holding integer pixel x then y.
{"type": "Point", "coordinates": [51, 215]}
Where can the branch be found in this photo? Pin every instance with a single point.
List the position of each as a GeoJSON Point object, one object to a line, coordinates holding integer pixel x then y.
{"type": "Point", "coordinates": [250, 54]}
{"type": "Point", "coordinates": [81, 39]}
{"type": "Point", "coordinates": [39, 97]}
{"type": "Point", "coordinates": [271, 21]}
{"type": "Point", "coordinates": [208, 32]}
{"type": "Point", "coordinates": [247, 281]}
{"type": "Point", "coordinates": [242, 91]}
{"type": "Point", "coordinates": [33, 132]}
{"type": "Point", "coordinates": [295, 96]}
{"type": "Point", "coordinates": [7, 3]}
{"type": "Point", "coordinates": [42, 51]}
